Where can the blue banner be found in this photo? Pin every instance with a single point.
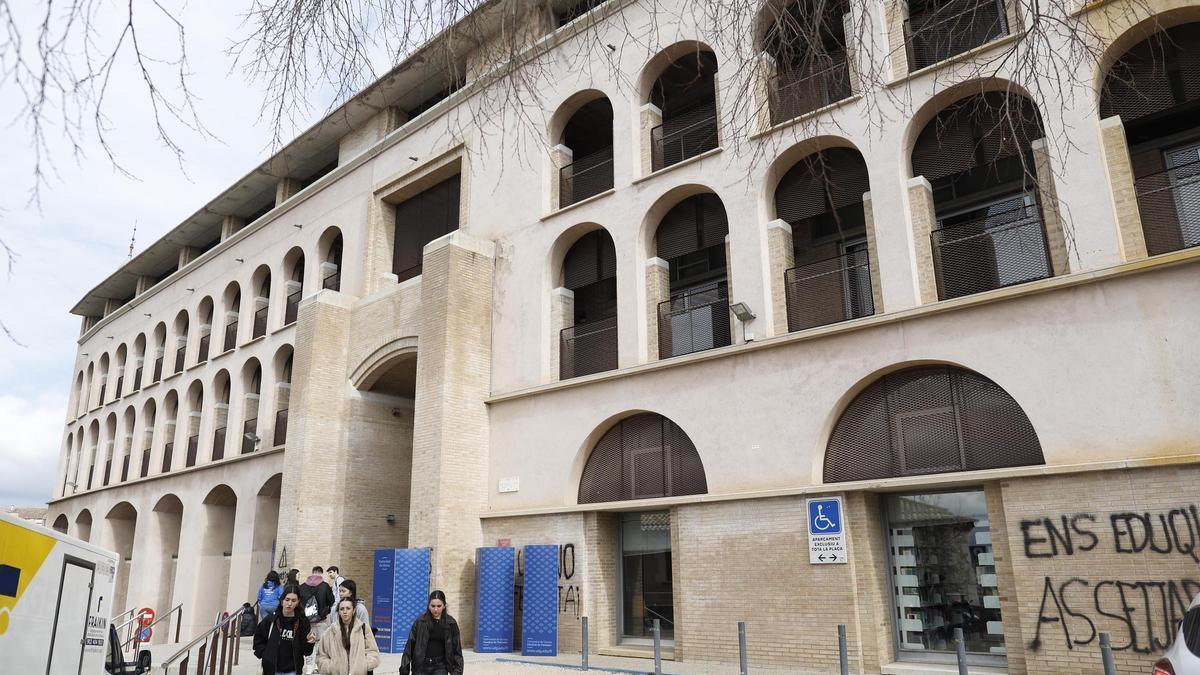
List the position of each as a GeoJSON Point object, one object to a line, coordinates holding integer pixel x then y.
{"type": "Point", "coordinates": [401, 594]}
{"type": "Point", "coordinates": [539, 602]}
{"type": "Point", "coordinates": [494, 572]}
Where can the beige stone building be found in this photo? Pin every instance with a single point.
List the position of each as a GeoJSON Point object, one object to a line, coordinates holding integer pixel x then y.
{"type": "Point", "coordinates": [689, 284]}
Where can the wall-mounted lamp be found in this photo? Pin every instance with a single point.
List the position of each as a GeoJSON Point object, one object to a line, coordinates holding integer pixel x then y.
{"type": "Point", "coordinates": [241, 260]}
{"type": "Point", "coordinates": [743, 314]}
{"type": "Point", "coordinates": [391, 519]}
{"type": "Point", "coordinates": [252, 437]}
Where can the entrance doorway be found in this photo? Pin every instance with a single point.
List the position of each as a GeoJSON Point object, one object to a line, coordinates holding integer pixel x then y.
{"type": "Point", "coordinates": [646, 585]}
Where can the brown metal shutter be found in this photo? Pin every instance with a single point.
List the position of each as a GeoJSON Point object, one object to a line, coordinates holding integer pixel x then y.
{"type": "Point", "coordinates": [830, 178]}
{"type": "Point", "coordinates": [694, 224]}
{"type": "Point", "coordinates": [976, 131]}
{"type": "Point", "coordinates": [642, 457]}
{"type": "Point", "coordinates": [421, 219]}
{"type": "Point", "coordinates": [1158, 73]}
{"type": "Point", "coordinates": [930, 419]}
{"type": "Point", "coordinates": [591, 259]}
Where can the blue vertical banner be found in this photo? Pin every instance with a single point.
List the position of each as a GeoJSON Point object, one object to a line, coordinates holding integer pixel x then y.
{"type": "Point", "coordinates": [494, 571]}
{"type": "Point", "coordinates": [539, 602]}
{"type": "Point", "coordinates": [401, 593]}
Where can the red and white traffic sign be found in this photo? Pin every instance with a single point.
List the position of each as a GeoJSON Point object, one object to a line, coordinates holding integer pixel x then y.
{"type": "Point", "coordinates": [147, 615]}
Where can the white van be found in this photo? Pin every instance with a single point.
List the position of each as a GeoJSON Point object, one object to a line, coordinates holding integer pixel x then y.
{"type": "Point", "coordinates": [55, 601]}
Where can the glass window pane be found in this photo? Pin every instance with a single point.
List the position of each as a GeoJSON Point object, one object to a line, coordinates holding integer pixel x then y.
{"type": "Point", "coordinates": [646, 574]}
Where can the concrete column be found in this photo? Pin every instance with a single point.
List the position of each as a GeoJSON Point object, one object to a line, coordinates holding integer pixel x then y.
{"type": "Point", "coordinates": [924, 221]}
{"type": "Point", "coordinates": [450, 432]}
{"type": "Point", "coordinates": [186, 255]}
{"type": "Point", "coordinates": [1123, 191]}
{"type": "Point", "coordinates": [230, 225]}
{"type": "Point", "coordinates": [286, 188]}
{"type": "Point", "coordinates": [562, 316]}
{"type": "Point", "coordinates": [560, 156]}
{"type": "Point", "coordinates": [242, 553]}
{"type": "Point", "coordinates": [658, 290]}
{"type": "Point", "coordinates": [144, 283]}
{"type": "Point", "coordinates": [1056, 242]}
{"type": "Point", "coordinates": [764, 72]}
{"type": "Point", "coordinates": [146, 567]}
{"type": "Point", "coordinates": [873, 253]}
{"type": "Point", "coordinates": [780, 258]}
{"type": "Point", "coordinates": [897, 12]}
{"type": "Point", "coordinates": [729, 289]}
{"type": "Point", "coordinates": [650, 117]}
{"type": "Point", "coordinates": [111, 305]}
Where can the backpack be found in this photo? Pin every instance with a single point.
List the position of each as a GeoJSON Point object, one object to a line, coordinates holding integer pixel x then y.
{"type": "Point", "coordinates": [312, 608]}
{"type": "Point", "coordinates": [248, 624]}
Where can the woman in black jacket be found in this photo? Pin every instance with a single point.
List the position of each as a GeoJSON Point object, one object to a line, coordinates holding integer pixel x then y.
{"type": "Point", "coordinates": [434, 646]}
{"type": "Point", "coordinates": [284, 638]}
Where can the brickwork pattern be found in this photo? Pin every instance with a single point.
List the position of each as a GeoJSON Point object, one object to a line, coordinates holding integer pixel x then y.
{"type": "Point", "coordinates": [562, 316]}
{"type": "Point", "coordinates": [780, 258]}
{"type": "Point", "coordinates": [1119, 169]}
{"type": "Point", "coordinates": [1052, 221]}
{"type": "Point", "coordinates": [873, 253]}
{"type": "Point", "coordinates": [924, 220]}
{"type": "Point", "coordinates": [658, 290]}
{"type": "Point", "coordinates": [600, 578]}
{"type": "Point", "coordinates": [1002, 555]}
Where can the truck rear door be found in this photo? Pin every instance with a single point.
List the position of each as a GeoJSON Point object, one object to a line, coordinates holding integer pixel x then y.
{"type": "Point", "coordinates": [71, 616]}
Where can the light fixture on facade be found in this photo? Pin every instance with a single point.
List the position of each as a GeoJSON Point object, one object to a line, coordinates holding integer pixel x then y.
{"type": "Point", "coordinates": [742, 311]}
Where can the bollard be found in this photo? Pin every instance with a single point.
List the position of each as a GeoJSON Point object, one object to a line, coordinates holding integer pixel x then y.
{"type": "Point", "coordinates": [843, 658]}
{"type": "Point", "coordinates": [960, 650]}
{"type": "Point", "coordinates": [585, 643]}
{"type": "Point", "coordinates": [657, 648]}
{"type": "Point", "coordinates": [745, 668]}
{"type": "Point", "coordinates": [1110, 668]}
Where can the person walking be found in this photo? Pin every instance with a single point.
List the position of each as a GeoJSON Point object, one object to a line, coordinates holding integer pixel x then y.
{"type": "Point", "coordinates": [334, 576]}
{"type": "Point", "coordinates": [348, 648]}
{"type": "Point", "coordinates": [292, 578]}
{"type": "Point", "coordinates": [284, 638]}
{"type": "Point", "coordinates": [269, 594]}
{"type": "Point", "coordinates": [349, 590]}
{"type": "Point", "coordinates": [317, 600]}
{"type": "Point", "coordinates": [434, 645]}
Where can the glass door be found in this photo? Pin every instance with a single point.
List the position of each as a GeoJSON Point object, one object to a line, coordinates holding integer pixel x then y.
{"type": "Point", "coordinates": [1184, 165]}
{"type": "Point", "coordinates": [646, 591]}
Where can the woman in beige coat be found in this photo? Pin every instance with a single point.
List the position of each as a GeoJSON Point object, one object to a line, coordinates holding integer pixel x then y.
{"type": "Point", "coordinates": [348, 647]}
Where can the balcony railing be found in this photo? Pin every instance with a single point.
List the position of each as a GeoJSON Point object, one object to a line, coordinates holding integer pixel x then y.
{"type": "Point", "coordinates": [333, 282]}
{"type": "Point", "coordinates": [260, 322]}
{"type": "Point", "coordinates": [107, 471]}
{"type": "Point", "coordinates": [180, 355]}
{"type": "Point", "coordinates": [1169, 202]}
{"type": "Point", "coordinates": [794, 92]}
{"type": "Point", "coordinates": [585, 177]}
{"type": "Point", "coordinates": [137, 379]}
{"type": "Point", "coordinates": [230, 336]}
{"type": "Point", "coordinates": [202, 356]}
{"type": "Point", "coordinates": [168, 450]}
{"type": "Point", "coordinates": [828, 291]}
{"type": "Point", "coordinates": [91, 474]}
{"type": "Point", "coordinates": [249, 433]}
{"type": "Point", "coordinates": [588, 348]}
{"type": "Point", "coordinates": [948, 30]}
{"type": "Point", "coordinates": [120, 383]}
{"type": "Point", "coordinates": [995, 251]}
{"type": "Point", "coordinates": [102, 388]}
{"type": "Point", "coordinates": [158, 365]}
{"type": "Point", "coordinates": [687, 135]}
{"type": "Point", "coordinates": [281, 422]}
{"type": "Point", "coordinates": [694, 320]}
{"type": "Point", "coordinates": [145, 463]}
{"type": "Point", "coordinates": [292, 308]}
{"type": "Point", "coordinates": [193, 449]}
{"type": "Point", "coordinates": [125, 469]}
{"type": "Point", "coordinates": [218, 450]}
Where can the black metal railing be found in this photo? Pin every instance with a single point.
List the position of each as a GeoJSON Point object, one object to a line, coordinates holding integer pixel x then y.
{"type": "Point", "coordinates": [674, 141]}
{"type": "Point", "coordinates": [231, 339]}
{"type": "Point", "coordinates": [291, 308]}
{"type": "Point", "coordinates": [193, 449]}
{"type": "Point", "coordinates": [995, 251]}
{"type": "Point", "coordinates": [180, 355]}
{"type": "Point", "coordinates": [107, 471]}
{"type": "Point", "coordinates": [120, 383]}
{"type": "Point", "coordinates": [828, 291]}
{"type": "Point", "coordinates": [796, 91]}
{"type": "Point", "coordinates": [203, 355]}
{"type": "Point", "coordinates": [158, 365]}
{"type": "Point", "coordinates": [145, 463]}
{"type": "Point", "coordinates": [249, 433]}
{"type": "Point", "coordinates": [260, 322]}
{"type": "Point", "coordinates": [102, 388]}
{"type": "Point", "coordinates": [333, 282]}
{"type": "Point", "coordinates": [218, 450]}
{"type": "Point", "coordinates": [168, 451]}
{"type": "Point", "coordinates": [1169, 203]}
{"type": "Point", "coordinates": [281, 422]}
{"type": "Point", "coordinates": [694, 320]}
{"type": "Point", "coordinates": [588, 348]}
{"type": "Point", "coordinates": [137, 379]}
{"type": "Point", "coordinates": [125, 469]}
{"type": "Point", "coordinates": [951, 29]}
{"type": "Point", "coordinates": [585, 177]}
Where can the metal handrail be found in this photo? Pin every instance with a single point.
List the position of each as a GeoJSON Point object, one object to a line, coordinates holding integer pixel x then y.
{"type": "Point", "coordinates": [935, 20]}
{"type": "Point", "coordinates": [152, 624]}
{"type": "Point", "coordinates": [220, 625]}
{"type": "Point", "coordinates": [128, 612]}
{"type": "Point", "coordinates": [664, 136]}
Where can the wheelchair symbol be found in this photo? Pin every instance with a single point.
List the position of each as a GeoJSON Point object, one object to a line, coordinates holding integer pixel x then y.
{"type": "Point", "coordinates": [821, 522]}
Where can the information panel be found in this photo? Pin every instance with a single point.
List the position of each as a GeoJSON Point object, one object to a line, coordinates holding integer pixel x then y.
{"type": "Point", "coordinates": [539, 606]}
{"type": "Point", "coordinates": [494, 569]}
{"type": "Point", "coordinates": [401, 594]}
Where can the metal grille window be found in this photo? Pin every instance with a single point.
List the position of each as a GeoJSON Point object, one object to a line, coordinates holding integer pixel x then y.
{"type": "Point", "coordinates": [999, 245]}
{"type": "Point", "coordinates": [685, 135]}
{"type": "Point", "coordinates": [642, 457]}
{"type": "Point", "coordinates": [230, 335]}
{"type": "Point", "coordinates": [929, 419]}
{"type": "Point", "coordinates": [590, 271]}
{"type": "Point", "coordinates": [1154, 76]}
{"type": "Point", "coordinates": [158, 366]}
{"type": "Point", "coordinates": [193, 449]}
{"type": "Point", "coordinates": [577, 10]}
{"type": "Point", "coordinates": [179, 357]}
{"type": "Point", "coordinates": [137, 379]}
{"type": "Point", "coordinates": [937, 30]}
{"type": "Point", "coordinates": [587, 176]}
{"type": "Point", "coordinates": [249, 433]}
{"type": "Point", "coordinates": [694, 320]}
{"type": "Point", "coordinates": [421, 219]}
{"type": "Point", "coordinates": [976, 132]}
{"type": "Point", "coordinates": [145, 463]}
{"type": "Point", "coordinates": [168, 450]}
{"type": "Point", "coordinates": [808, 43]}
{"type": "Point", "coordinates": [1169, 200]}
{"type": "Point", "coordinates": [281, 423]}
{"type": "Point", "coordinates": [202, 354]}
{"type": "Point", "coordinates": [125, 469]}
{"type": "Point", "coordinates": [292, 308]}
{"type": "Point", "coordinates": [218, 450]}
{"type": "Point", "coordinates": [686, 94]}
{"type": "Point", "coordinates": [691, 238]}
{"type": "Point", "coordinates": [260, 322]}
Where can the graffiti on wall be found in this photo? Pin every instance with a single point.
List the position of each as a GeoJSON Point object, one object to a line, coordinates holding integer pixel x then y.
{"type": "Point", "coordinates": [1141, 614]}
{"type": "Point", "coordinates": [570, 590]}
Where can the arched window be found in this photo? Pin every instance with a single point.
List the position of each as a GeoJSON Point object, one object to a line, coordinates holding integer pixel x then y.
{"type": "Point", "coordinates": [691, 238]}
{"type": "Point", "coordinates": [642, 457]}
{"type": "Point", "coordinates": [294, 286]}
{"type": "Point", "coordinates": [686, 94]}
{"type": "Point", "coordinates": [181, 338]}
{"type": "Point", "coordinates": [206, 318]}
{"type": "Point", "coordinates": [587, 167]}
{"type": "Point", "coordinates": [589, 344]}
{"type": "Point", "coordinates": [261, 284]}
{"type": "Point", "coordinates": [232, 302]}
{"type": "Point", "coordinates": [331, 259]}
{"type": "Point", "coordinates": [929, 419]}
{"type": "Point", "coordinates": [806, 43]}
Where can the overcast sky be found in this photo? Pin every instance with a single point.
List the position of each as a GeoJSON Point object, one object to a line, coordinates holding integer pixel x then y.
{"type": "Point", "coordinates": [82, 231]}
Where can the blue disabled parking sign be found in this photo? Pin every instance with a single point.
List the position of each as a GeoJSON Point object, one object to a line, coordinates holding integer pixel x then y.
{"type": "Point", "coordinates": [826, 533]}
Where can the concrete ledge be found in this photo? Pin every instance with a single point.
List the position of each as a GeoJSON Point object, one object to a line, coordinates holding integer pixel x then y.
{"type": "Point", "coordinates": [909, 668]}
{"type": "Point", "coordinates": [678, 165]}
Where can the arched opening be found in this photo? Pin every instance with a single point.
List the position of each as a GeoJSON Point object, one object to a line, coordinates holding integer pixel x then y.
{"type": "Point", "coordinates": [121, 359]}
{"type": "Point", "coordinates": [61, 523]}
{"type": "Point", "coordinates": [128, 421]}
{"type": "Point", "coordinates": [936, 30]}
{"type": "Point", "coordinates": [293, 266]}
{"type": "Point", "coordinates": [283, 393]}
{"type": "Point", "coordinates": [160, 347]}
{"type": "Point", "coordinates": [171, 420]}
{"type": "Point", "coordinates": [181, 328]}
{"type": "Point", "coordinates": [252, 386]}
{"type": "Point", "coordinates": [195, 413]}
{"type": "Point", "coordinates": [216, 552]}
{"type": "Point", "coordinates": [821, 198]}
{"type": "Point", "coordinates": [71, 459]}
{"type": "Point", "coordinates": [222, 391]}
{"type": "Point", "coordinates": [79, 403]}
{"type": "Point", "coordinates": [1154, 88]}
{"type": "Point", "coordinates": [989, 229]}
{"type": "Point", "coordinates": [584, 154]}
{"type": "Point", "coordinates": [691, 239]}
{"type": "Point", "coordinates": [102, 395]}
{"type": "Point", "coordinates": [588, 343]}
{"type": "Point", "coordinates": [120, 526]}
{"type": "Point", "coordinates": [260, 283]}
{"type": "Point", "coordinates": [149, 420]}
{"type": "Point", "coordinates": [167, 526]}
{"type": "Point", "coordinates": [266, 523]}
{"type": "Point", "coordinates": [684, 98]}
{"type": "Point", "coordinates": [231, 301]}
{"type": "Point", "coordinates": [807, 64]}
{"type": "Point", "coordinates": [330, 246]}
{"type": "Point", "coordinates": [83, 525]}
{"type": "Point", "coordinates": [206, 319]}
{"type": "Point", "coordinates": [139, 360]}
{"type": "Point", "coordinates": [110, 441]}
